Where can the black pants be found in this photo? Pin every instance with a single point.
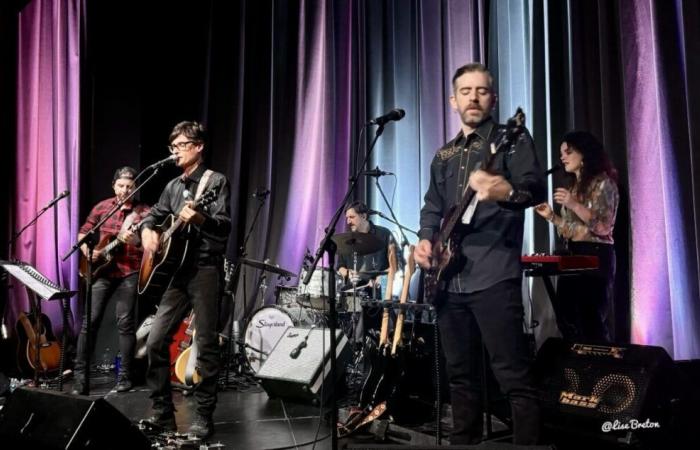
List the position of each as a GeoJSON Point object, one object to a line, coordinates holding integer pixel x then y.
{"type": "Point", "coordinates": [124, 292]}
{"type": "Point", "coordinates": [586, 300]}
{"type": "Point", "coordinates": [493, 316]}
{"type": "Point", "coordinates": [201, 290]}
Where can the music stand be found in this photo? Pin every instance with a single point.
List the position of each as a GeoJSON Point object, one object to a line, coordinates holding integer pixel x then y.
{"type": "Point", "coordinates": [38, 287]}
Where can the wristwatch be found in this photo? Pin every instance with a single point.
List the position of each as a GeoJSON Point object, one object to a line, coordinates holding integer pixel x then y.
{"type": "Point", "coordinates": [515, 196]}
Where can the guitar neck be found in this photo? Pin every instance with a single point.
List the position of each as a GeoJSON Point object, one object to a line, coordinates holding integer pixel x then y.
{"type": "Point", "coordinates": [112, 245]}
{"type": "Point", "coordinates": [173, 228]}
{"type": "Point", "coordinates": [466, 199]}
{"type": "Point", "coordinates": [178, 222]}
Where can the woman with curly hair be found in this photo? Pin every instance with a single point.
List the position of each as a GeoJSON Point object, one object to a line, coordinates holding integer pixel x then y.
{"type": "Point", "coordinates": [589, 204]}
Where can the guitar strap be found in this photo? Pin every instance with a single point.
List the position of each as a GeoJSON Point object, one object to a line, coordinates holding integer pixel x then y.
{"type": "Point", "coordinates": [203, 183]}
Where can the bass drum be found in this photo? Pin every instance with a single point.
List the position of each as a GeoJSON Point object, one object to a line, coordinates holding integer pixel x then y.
{"type": "Point", "coordinates": [267, 326]}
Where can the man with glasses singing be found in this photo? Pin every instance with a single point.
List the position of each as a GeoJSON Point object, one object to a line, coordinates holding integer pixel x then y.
{"type": "Point", "coordinates": [197, 285]}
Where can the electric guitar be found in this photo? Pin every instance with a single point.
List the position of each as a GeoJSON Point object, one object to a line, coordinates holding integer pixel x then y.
{"type": "Point", "coordinates": [447, 259]}
{"type": "Point", "coordinates": [387, 361]}
{"type": "Point", "coordinates": [185, 365]}
{"type": "Point", "coordinates": [158, 268]}
{"type": "Point", "coordinates": [392, 352]}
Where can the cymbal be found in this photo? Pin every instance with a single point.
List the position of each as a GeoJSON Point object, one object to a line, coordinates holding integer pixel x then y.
{"type": "Point", "coordinates": [360, 243]}
{"type": "Point", "coordinates": [267, 267]}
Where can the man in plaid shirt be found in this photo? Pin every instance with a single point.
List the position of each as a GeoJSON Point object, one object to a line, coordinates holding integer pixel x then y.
{"type": "Point", "coordinates": [117, 279]}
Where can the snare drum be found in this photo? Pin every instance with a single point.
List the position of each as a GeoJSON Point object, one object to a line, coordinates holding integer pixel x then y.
{"type": "Point", "coordinates": [267, 326]}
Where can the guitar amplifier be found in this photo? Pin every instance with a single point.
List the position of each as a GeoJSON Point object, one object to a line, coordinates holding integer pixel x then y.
{"type": "Point", "coordinates": [303, 377]}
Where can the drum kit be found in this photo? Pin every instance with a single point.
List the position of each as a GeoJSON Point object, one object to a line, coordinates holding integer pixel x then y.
{"type": "Point", "coordinates": [306, 305]}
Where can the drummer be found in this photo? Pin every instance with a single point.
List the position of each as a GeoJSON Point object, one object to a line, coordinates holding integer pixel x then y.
{"type": "Point", "coordinates": [364, 270]}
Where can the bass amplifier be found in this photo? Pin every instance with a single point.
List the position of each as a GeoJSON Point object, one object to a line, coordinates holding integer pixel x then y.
{"type": "Point", "coordinates": [618, 392]}
{"type": "Point", "coordinates": [299, 365]}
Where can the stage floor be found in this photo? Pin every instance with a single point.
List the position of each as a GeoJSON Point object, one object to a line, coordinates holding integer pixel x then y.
{"type": "Point", "coordinates": [245, 418]}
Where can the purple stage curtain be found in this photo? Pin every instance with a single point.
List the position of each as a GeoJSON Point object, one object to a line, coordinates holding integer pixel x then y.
{"type": "Point", "coordinates": [665, 310]}
{"type": "Point", "coordinates": [48, 139]}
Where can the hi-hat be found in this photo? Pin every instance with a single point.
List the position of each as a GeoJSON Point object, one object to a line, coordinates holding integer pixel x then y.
{"type": "Point", "coordinates": [360, 243]}
{"type": "Point", "coordinates": [267, 267]}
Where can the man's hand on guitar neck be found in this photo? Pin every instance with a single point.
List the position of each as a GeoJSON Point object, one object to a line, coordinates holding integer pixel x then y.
{"type": "Point", "coordinates": [190, 215]}
{"type": "Point", "coordinates": [489, 186]}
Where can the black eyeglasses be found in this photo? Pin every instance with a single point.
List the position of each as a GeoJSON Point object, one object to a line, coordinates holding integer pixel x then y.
{"type": "Point", "coordinates": [182, 146]}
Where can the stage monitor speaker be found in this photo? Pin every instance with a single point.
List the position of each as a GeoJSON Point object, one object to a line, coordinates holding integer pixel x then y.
{"type": "Point", "coordinates": [299, 365]}
{"type": "Point", "coordinates": [38, 419]}
{"type": "Point", "coordinates": [621, 393]}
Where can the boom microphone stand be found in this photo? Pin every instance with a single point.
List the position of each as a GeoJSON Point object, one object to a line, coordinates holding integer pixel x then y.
{"type": "Point", "coordinates": [232, 284]}
{"type": "Point", "coordinates": [329, 247]}
{"type": "Point", "coordinates": [404, 241]}
{"type": "Point", "coordinates": [91, 239]}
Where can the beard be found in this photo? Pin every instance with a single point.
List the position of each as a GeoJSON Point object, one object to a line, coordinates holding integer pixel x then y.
{"type": "Point", "coordinates": [472, 116]}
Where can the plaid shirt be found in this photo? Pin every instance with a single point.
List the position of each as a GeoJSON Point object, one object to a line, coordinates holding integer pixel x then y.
{"type": "Point", "coordinates": [127, 257]}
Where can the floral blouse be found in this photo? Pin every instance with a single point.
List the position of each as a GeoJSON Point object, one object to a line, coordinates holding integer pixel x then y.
{"type": "Point", "coordinates": [602, 202]}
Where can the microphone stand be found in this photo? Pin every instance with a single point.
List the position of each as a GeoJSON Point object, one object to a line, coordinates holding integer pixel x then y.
{"type": "Point", "coordinates": [41, 212]}
{"type": "Point", "coordinates": [90, 239]}
{"type": "Point", "coordinates": [232, 286]}
{"type": "Point", "coordinates": [36, 307]}
{"type": "Point", "coordinates": [394, 220]}
{"type": "Point", "coordinates": [329, 247]}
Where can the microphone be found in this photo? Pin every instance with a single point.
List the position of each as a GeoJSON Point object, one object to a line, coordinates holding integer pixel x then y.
{"type": "Point", "coordinates": [372, 212]}
{"type": "Point", "coordinates": [376, 172]}
{"type": "Point", "coordinates": [163, 162]}
{"type": "Point", "coordinates": [261, 193]}
{"type": "Point", "coordinates": [394, 114]}
{"type": "Point", "coordinates": [294, 354]}
{"type": "Point", "coordinates": [553, 169]}
{"type": "Point", "coordinates": [63, 194]}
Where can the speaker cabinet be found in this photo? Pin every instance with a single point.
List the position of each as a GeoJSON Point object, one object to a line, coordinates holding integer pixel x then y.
{"type": "Point", "coordinates": [621, 393]}
{"type": "Point", "coordinates": [299, 365]}
{"type": "Point", "coordinates": [37, 419]}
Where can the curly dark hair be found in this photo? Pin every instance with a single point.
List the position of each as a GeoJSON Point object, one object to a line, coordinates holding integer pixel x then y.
{"type": "Point", "coordinates": [358, 206]}
{"type": "Point", "coordinates": [595, 161]}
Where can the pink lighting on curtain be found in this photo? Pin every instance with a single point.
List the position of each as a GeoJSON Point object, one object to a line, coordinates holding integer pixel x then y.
{"type": "Point", "coordinates": [48, 138]}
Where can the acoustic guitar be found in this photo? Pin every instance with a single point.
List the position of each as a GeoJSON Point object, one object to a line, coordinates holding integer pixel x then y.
{"type": "Point", "coordinates": [108, 246]}
{"type": "Point", "coordinates": [158, 268]}
{"type": "Point", "coordinates": [31, 333]}
{"type": "Point", "coordinates": [447, 259]}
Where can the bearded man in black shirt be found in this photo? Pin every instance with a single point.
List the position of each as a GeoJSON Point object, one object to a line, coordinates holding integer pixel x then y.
{"type": "Point", "coordinates": [482, 303]}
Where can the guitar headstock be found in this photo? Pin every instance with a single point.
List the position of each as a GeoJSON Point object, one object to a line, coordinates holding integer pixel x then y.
{"type": "Point", "coordinates": [411, 263]}
{"type": "Point", "coordinates": [512, 131]}
{"type": "Point", "coordinates": [208, 197]}
{"type": "Point", "coordinates": [393, 262]}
